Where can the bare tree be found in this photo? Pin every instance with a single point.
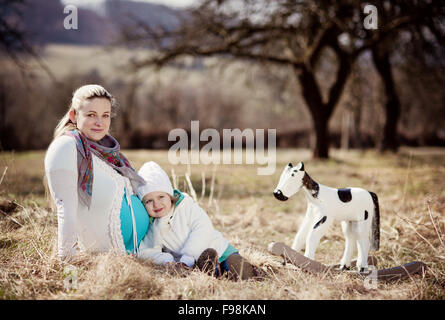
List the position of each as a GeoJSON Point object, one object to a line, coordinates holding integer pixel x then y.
{"type": "Point", "coordinates": [293, 34]}
{"type": "Point", "coordinates": [423, 25]}
{"type": "Point", "coordinates": [14, 40]}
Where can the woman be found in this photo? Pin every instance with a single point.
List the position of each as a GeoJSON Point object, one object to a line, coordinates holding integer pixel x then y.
{"type": "Point", "coordinates": [92, 184]}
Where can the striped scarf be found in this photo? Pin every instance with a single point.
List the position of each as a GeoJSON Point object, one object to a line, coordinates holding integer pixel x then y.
{"type": "Point", "coordinates": [107, 149]}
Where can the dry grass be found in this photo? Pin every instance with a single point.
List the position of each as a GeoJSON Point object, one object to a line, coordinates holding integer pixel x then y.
{"type": "Point", "coordinates": [410, 186]}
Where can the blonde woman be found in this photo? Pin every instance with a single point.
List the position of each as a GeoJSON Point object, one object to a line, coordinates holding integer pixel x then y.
{"type": "Point", "coordinates": [91, 182]}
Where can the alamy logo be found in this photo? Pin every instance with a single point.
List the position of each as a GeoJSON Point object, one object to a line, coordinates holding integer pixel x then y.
{"type": "Point", "coordinates": [371, 281]}
{"type": "Point", "coordinates": [371, 19]}
{"type": "Point", "coordinates": [70, 278]}
{"type": "Point", "coordinates": [70, 21]}
{"type": "Point", "coordinates": [210, 152]}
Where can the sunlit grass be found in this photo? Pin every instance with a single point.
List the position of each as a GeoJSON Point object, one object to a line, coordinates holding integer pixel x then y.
{"type": "Point", "coordinates": [410, 186]}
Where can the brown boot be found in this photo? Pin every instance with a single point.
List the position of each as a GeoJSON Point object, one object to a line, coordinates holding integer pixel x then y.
{"type": "Point", "coordinates": [208, 261]}
{"type": "Point", "coordinates": [240, 268]}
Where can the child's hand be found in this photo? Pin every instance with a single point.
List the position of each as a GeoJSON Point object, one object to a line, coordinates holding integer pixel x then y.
{"type": "Point", "coordinates": [184, 266]}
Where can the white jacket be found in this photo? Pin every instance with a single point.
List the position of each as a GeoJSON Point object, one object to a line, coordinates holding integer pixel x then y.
{"type": "Point", "coordinates": [184, 233]}
{"type": "Point", "coordinates": [97, 229]}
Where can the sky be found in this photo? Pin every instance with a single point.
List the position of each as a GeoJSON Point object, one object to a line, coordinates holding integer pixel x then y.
{"type": "Point", "coordinates": [95, 3]}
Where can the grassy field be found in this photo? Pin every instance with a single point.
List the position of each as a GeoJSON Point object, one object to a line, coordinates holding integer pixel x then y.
{"type": "Point", "coordinates": [410, 186]}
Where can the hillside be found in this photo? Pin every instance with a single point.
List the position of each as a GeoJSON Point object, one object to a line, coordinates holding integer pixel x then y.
{"type": "Point", "coordinates": [43, 21]}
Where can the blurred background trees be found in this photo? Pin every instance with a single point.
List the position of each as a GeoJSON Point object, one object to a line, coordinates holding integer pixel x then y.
{"type": "Point", "coordinates": [296, 34]}
{"type": "Point", "coordinates": [307, 68]}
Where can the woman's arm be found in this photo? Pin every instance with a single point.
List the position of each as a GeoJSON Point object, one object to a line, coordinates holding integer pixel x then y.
{"type": "Point", "coordinates": [61, 172]}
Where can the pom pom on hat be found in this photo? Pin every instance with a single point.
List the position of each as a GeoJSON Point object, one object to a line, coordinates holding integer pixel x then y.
{"type": "Point", "coordinates": [155, 178]}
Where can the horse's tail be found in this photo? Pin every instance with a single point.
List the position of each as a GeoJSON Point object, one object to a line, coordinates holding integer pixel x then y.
{"type": "Point", "coordinates": [375, 222]}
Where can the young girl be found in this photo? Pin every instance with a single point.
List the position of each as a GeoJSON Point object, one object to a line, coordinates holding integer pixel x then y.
{"type": "Point", "coordinates": [181, 232]}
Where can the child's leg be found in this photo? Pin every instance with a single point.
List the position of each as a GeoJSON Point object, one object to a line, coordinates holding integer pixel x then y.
{"type": "Point", "coordinates": [238, 268]}
{"type": "Point", "coordinates": [208, 262]}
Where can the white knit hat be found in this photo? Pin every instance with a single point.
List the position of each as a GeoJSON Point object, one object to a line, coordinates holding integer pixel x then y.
{"type": "Point", "coordinates": [155, 178]}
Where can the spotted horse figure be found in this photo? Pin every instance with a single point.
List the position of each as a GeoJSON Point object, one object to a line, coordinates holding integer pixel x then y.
{"type": "Point", "coordinates": [356, 208]}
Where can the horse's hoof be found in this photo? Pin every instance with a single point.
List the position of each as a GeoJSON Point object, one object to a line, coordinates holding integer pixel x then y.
{"type": "Point", "coordinates": [344, 268]}
{"type": "Point", "coordinates": [361, 270]}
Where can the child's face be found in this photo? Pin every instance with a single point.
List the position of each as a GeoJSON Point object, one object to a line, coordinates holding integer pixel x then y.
{"type": "Point", "coordinates": [158, 204]}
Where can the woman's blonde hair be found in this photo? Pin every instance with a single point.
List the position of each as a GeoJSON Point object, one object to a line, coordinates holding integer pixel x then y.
{"type": "Point", "coordinates": [82, 94]}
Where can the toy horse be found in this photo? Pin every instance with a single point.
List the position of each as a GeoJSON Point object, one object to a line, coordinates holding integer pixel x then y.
{"type": "Point", "coordinates": [356, 208]}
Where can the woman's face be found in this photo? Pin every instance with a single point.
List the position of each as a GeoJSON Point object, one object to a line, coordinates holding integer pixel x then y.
{"type": "Point", "coordinates": [158, 204]}
{"type": "Point", "coordinates": [93, 118]}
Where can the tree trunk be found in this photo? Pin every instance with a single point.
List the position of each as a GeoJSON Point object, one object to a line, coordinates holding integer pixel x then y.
{"type": "Point", "coordinates": [319, 112]}
{"type": "Point", "coordinates": [127, 113]}
{"type": "Point", "coordinates": [389, 141]}
{"type": "Point", "coordinates": [321, 150]}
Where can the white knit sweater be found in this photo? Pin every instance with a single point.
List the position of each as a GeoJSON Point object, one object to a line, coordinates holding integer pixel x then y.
{"type": "Point", "coordinates": [184, 233]}
{"type": "Point", "coordinates": [97, 229]}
